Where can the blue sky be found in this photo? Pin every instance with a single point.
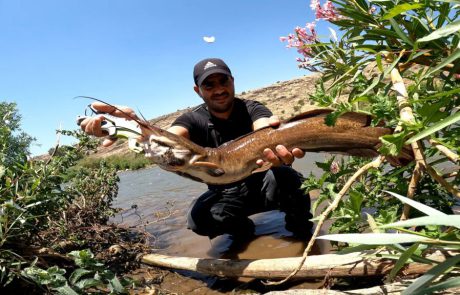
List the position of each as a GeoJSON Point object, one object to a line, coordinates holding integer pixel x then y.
{"type": "Point", "coordinates": [138, 53]}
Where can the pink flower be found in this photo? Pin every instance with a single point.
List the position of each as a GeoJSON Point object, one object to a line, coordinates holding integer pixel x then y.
{"type": "Point", "coordinates": [300, 40]}
{"type": "Point", "coordinates": [327, 12]}
{"type": "Point", "coordinates": [314, 4]}
{"type": "Point", "coordinates": [335, 167]}
{"type": "Point", "coordinates": [311, 26]}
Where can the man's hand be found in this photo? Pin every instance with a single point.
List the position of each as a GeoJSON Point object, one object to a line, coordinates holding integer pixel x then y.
{"type": "Point", "coordinates": [92, 126]}
{"type": "Point", "coordinates": [281, 155]}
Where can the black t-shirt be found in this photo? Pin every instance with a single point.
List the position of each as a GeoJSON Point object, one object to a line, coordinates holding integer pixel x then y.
{"type": "Point", "coordinates": [209, 131]}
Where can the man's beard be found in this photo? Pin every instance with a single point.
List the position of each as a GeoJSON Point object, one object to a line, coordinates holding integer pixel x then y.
{"type": "Point", "coordinates": [219, 107]}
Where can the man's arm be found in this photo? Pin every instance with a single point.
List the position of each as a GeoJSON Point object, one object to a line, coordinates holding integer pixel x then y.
{"type": "Point", "coordinates": [179, 130]}
{"type": "Point", "coordinates": [92, 125]}
{"type": "Point", "coordinates": [281, 154]}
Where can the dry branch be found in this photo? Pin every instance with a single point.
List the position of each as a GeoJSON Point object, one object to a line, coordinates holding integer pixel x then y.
{"type": "Point", "coordinates": [374, 164]}
{"type": "Point", "coordinates": [446, 151]}
{"type": "Point", "coordinates": [356, 264]}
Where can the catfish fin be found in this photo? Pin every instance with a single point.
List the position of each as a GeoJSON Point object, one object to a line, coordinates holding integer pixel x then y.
{"type": "Point", "coordinates": [264, 167]}
{"type": "Point", "coordinates": [309, 114]}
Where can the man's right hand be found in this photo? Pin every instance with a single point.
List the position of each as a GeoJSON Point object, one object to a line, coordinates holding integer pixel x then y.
{"type": "Point", "coordinates": [92, 125]}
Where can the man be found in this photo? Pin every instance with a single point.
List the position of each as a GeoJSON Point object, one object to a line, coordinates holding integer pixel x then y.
{"type": "Point", "coordinates": [224, 209]}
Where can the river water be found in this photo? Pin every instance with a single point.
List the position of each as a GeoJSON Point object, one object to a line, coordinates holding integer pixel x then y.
{"type": "Point", "coordinates": [157, 201]}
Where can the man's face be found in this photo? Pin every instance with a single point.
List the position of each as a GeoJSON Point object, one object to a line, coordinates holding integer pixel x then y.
{"type": "Point", "coordinates": [218, 92]}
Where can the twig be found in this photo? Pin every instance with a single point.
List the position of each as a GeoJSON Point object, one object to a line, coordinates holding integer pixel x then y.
{"type": "Point", "coordinates": [374, 164]}
{"type": "Point", "coordinates": [450, 174]}
{"type": "Point", "coordinates": [446, 151]}
{"type": "Point", "coordinates": [407, 116]}
{"type": "Point", "coordinates": [420, 164]}
{"type": "Point", "coordinates": [56, 146]}
{"type": "Point", "coordinates": [405, 110]}
{"type": "Point", "coordinates": [416, 175]}
{"type": "Point", "coordinates": [434, 174]}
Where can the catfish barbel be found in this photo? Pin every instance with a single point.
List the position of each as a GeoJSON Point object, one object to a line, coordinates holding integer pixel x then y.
{"type": "Point", "coordinates": [235, 160]}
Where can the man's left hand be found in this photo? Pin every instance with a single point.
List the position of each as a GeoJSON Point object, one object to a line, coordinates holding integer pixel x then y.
{"type": "Point", "coordinates": [281, 155]}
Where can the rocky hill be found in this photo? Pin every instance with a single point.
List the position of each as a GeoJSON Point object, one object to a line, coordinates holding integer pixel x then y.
{"type": "Point", "coordinates": [285, 99]}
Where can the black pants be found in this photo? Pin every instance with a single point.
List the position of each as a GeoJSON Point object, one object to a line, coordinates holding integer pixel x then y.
{"type": "Point", "coordinates": [225, 209]}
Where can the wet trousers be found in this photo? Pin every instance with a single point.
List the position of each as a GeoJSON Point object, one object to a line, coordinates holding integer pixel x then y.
{"type": "Point", "coordinates": [225, 209]}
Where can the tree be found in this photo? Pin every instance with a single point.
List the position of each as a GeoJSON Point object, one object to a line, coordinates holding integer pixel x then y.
{"type": "Point", "coordinates": [14, 143]}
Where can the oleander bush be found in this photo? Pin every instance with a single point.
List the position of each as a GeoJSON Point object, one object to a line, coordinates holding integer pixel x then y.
{"type": "Point", "coordinates": [398, 61]}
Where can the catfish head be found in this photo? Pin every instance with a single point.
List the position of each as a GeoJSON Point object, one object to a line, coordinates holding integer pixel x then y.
{"type": "Point", "coordinates": [167, 151]}
{"type": "Point", "coordinates": [180, 155]}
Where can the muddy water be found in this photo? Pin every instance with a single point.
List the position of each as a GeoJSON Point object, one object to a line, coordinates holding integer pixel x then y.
{"type": "Point", "coordinates": [158, 201]}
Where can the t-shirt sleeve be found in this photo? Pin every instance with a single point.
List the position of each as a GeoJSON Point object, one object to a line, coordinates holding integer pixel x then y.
{"type": "Point", "coordinates": [183, 120]}
{"type": "Point", "coordinates": [257, 110]}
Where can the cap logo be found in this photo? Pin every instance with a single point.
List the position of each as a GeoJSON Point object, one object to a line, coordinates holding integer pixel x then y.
{"type": "Point", "coordinates": [209, 65]}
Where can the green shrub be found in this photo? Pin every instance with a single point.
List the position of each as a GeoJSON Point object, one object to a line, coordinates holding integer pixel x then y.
{"type": "Point", "coordinates": [41, 205]}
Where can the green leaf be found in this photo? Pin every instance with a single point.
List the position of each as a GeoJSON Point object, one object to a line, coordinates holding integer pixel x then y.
{"type": "Point", "coordinates": [88, 283]}
{"type": "Point", "coordinates": [77, 274]}
{"type": "Point", "coordinates": [441, 94]}
{"type": "Point", "coordinates": [436, 127]}
{"type": "Point", "coordinates": [318, 201]}
{"type": "Point", "coordinates": [380, 34]}
{"type": "Point", "coordinates": [375, 239]}
{"type": "Point", "coordinates": [450, 283]}
{"type": "Point", "coordinates": [430, 112]}
{"type": "Point", "coordinates": [378, 59]}
{"type": "Point", "coordinates": [442, 32]}
{"type": "Point", "coordinates": [402, 261]}
{"type": "Point", "coordinates": [401, 34]}
{"type": "Point", "coordinates": [116, 285]}
{"type": "Point", "coordinates": [446, 220]}
{"type": "Point", "coordinates": [392, 143]}
{"type": "Point", "coordinates": [419, 206]}
{"type": "Point", "coordinates": [450, 59]}
{"type": "Point", "coordinates": [374, 83]}
{"type": "Point", "coordinates": [398, 9]}
{"type": "Point", "coordinates": [346, 75]}
{"type": "Point", "coordinates": [421, 283]}
{"type": "Point", "coordinates": [356, 199]}
{"type": "Point", "coordinates": [66, 290]}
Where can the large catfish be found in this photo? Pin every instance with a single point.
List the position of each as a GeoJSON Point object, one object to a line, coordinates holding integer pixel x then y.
{"type": "Point", "coordinates": [352, 134]}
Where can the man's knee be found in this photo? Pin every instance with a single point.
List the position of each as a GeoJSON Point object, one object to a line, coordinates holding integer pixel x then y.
{"type": "Point", "coordinates": [199, 218]}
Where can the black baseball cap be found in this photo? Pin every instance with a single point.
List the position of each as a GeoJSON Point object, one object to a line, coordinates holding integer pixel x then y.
{"type": "Point", "coordinates": [207, 67]}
